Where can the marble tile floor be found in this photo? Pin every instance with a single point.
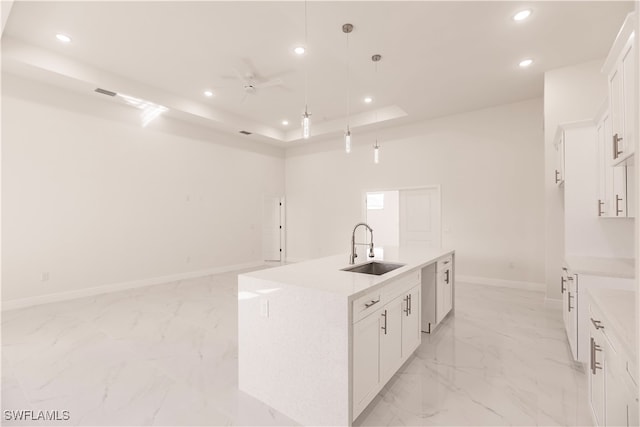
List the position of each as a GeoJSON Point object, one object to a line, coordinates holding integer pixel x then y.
{"type": "Point", "coordinates": [167, 355]}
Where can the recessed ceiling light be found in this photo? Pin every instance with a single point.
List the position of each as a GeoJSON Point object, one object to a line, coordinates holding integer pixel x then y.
{"type": "Point", "coordinates": [525, 63]}
{"type": "Point", "coordinates": [522, 15]}
{"type": "Point", "coordinates": [368, 100]}
{"type": "Point", "coordinates": [208, 93]}
{"type": "Point", "coordinates": [299, 50]}
{"type": "Point", "coordinates": [63, 38]}
{"type": "Point", "coordinates": [285, 122]}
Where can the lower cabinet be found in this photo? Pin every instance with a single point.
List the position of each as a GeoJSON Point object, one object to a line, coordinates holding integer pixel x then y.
{"type": "Point", "coordinates": [383, 341]}
{"type": "Point", "coordinates": [613, 395]}
{"type": "Point", "coordinates": [438, 292]}
{"type": "Point", "coordinates": [569, 289]}
{"type": "Point", "coordinates": [366, 361]}
{"type": "Point", "coordinates": [411, 321]}
{"type": "Point", "coordinates": [391, 339]}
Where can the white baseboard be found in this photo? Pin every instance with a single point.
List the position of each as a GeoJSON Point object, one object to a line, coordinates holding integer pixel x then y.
{"type": "Point", "coordinates": [115, 287]}
{"type": "Point", "coordinates": [515, 284]}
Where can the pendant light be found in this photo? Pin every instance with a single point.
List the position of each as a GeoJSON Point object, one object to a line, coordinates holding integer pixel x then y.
{"type": "Point", "coordinates": [306, 120]}
{"type": "Point", "coordinates": [376, 147]}
{"type": "Point", "coordinates": [347, 29]}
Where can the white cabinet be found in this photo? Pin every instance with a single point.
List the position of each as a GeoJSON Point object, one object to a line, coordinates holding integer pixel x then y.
{"type": "Point", "coordinates": [411, 321]}
{"type": "Point", "coordinates": [569, 283]}
{"type": "Point", "coordinates": [558, 144]}
{"type": "Point", "coordinates": [391, 339]}
{"type": "Point", "coordinates": [613, 395]}
{"type": "Point", "coordinates": [366, 360]}
{"type": "Point", "coordinates": [438, 292]}
{"type": "Point", "coordinates": [612, 181]}
{"type": "Point", "coordinates": [621, 73]}
{"type": "Point", "coordinates": [386, 331]}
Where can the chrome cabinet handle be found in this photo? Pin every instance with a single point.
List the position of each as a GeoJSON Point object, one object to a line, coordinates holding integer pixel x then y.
{"type": "Point", "coordinates": [618, 210]}
{"type": "Point", "coordinates": [557, 176]}
{"type": "Point", "coordinates": [600, 205]}
{"type": "Point", "coordinates": [410, 304]}
{"type": "Point", "coordinates": [384, 328]}
{"type": "Point", "coordinates": [372, 303]}
{"type": "Point", "coordinates": [616, 146]}
{"type": "Point", "coordinates": [597, 324]}
{"type": "Point", "coordinates": [446, 278]}
{"type": "Point", "coordinates": [594, 363]}
{"type": "Point", "coordinates": [562, 287]}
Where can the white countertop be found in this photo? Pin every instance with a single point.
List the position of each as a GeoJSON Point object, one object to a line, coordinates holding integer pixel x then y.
{"type": "Point", "coordinates": [610, 267]}
{"type": "Point", "coordinates": [619, 307]}
{"type": "Point", "coordinates": [324, 274]}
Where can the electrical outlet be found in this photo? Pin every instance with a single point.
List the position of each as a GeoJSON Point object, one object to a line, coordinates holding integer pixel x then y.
{"type": "Point", "coordinates": [512, 265]}
{"type": "Point", "coordinates": [45, 276]}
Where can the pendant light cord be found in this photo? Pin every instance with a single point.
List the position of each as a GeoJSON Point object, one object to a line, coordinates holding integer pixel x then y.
{"type": "Point", "coordinates": [306, 62]}
{"type": "Point", "coordinates": [348, 84]}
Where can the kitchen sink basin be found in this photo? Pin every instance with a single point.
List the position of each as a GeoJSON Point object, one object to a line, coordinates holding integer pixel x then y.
{"type": "Point", "coordinates": [373, 267]}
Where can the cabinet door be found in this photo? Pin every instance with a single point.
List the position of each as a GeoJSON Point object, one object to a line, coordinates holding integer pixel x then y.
{"type": "Point", "coordinates": [596, 376]}
{"type": "Point", "coordinates": [366, 361]}
{"type": "Point", "coordinates": [448, 291]}
{"type": "Point", "coordinates": [616, 110]}
{"type": "Point", "coordinates": [390, 339]}
{"type": "Point", "coordinates": [619, 196]}
{"type": "Point", "coordinates": [559, 171]}
{"type": "Point", "coordinates": [572, 314]}
{"type": "Point", "coordinates": [615, 388]}
{"type": "Point", "coordinates": [628, 86]}
{"type": "Point", "coordinates": [603, 168]}
{"type": "Point", "coordinates": [411, 321]}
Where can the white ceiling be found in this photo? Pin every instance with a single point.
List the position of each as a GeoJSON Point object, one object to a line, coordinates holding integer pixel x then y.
{"type": "Point", "coordinates": [439, 58]}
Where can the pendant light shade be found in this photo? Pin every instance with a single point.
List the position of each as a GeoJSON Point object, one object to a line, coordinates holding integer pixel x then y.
{"type": "Point", "coordinates": [306, 124]}
{"type": "Point", "coordinates": [347, 29]}
{"type": "Point", "coordinates": [376, 148]}
{"type": "Point", "coordinates": [376, 153]}
{"type": "Point", "coordinates": [306, 121]}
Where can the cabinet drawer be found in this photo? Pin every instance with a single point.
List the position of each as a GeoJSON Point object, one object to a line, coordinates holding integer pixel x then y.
{"type": "Point", "coordinates": [444, 263]}
{"type": "Point", "coordinates": [400, 285]}
{"type": "Point", "coordinates": [367, 304]}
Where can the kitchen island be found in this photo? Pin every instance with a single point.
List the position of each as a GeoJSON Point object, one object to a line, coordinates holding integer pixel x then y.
{"type": "Point", "coordinates": [318, 343]}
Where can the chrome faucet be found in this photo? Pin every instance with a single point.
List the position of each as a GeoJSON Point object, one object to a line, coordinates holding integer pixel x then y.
{"type": "Point", "coordinates": [354, 255]}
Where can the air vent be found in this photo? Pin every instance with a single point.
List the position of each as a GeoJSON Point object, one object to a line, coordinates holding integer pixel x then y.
{"type": "Point", "coordinates": [105, 92]}
{"type": "Point", "coordinates": [244, 132]}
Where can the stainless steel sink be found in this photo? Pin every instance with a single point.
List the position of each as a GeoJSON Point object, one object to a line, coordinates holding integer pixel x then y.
{"type": "Point", "coordinates": [374, 267]}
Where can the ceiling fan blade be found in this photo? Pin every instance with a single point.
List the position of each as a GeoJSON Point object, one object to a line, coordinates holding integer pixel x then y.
{"type": "Point", "coordinates": [269, 83]}
{"type": "Point", "coordinates": [239, 75]}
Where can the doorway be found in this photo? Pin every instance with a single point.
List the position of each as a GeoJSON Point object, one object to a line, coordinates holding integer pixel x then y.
{"type": "Point", "coordinates": [405, 217]}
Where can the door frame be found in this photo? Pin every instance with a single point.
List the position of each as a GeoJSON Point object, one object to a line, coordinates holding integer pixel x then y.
{"type": "Point", "coordinates": [283, 240]}
{"type": "Point", "coordinates": [436, 187]}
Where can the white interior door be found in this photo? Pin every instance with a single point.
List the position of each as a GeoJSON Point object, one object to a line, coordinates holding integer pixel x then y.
{"type": "Point", "coordinates": [420, 218]}
{"type": "Point", "coordinates": [272, 229]}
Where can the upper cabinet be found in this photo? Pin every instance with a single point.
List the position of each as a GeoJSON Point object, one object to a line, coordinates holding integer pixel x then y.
{"type": "Point", "coordinates": [612, 181]}
{"type": "Point", "coordinates": [621, 73]}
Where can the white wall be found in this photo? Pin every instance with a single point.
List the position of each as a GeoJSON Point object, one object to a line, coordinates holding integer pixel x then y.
{"type": "Point", "coordinates": [386, 221]}
{"type": "Point", "coordinates": [92, 198]}
{"type": "Point", "coordinates": [490, 164]}
{"type": "Point", "coordinates": [571, 94]}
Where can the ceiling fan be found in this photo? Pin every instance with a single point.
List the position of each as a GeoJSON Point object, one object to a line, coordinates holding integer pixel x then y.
{"type": "Point", "coordinates": [251, 84]}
